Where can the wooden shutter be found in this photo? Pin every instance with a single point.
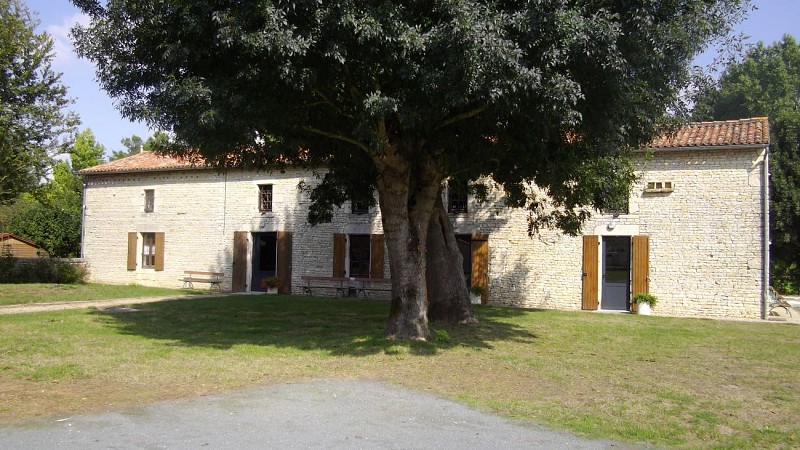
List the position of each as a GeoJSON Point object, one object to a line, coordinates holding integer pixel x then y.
{"type": "Point", "coordinates": [285, 261]}
{"type": "Point", "coordinates": [480, 263]}
{"type": "Point", "coordinates": [591, 245]}
{"type": "Point", "coordinates": [131, 251]}
{"type": "Point", "coordinates": [376, 256]}
{"type": "Point", "coordinates": [239, 275]}
{"type": "Point", "coordinates": [641, 265]}
{"type": "Point", "coordinates": [159, 263]}
{"type": "Point", "coordinates": [338, 254]}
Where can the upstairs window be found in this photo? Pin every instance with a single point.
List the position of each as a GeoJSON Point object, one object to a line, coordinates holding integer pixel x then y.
{"type": "Point", "coordinates": [265, 198]}
{"type": "Point", "coordinates": [457, 197]}
{"type": "Point", "coordinates": [359, 207]}
{"type": "Point", "coordinates": [149, 200]}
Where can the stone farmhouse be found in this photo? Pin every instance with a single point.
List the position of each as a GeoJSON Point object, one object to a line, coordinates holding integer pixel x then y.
{"type": "Point", "coordinates": [695, 232]}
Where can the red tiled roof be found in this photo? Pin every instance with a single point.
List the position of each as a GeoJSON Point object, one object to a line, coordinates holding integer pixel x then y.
{"type": "Point", "coordinates": [727, 133]}
{"type": "Point", "coordinates": [147, 162]}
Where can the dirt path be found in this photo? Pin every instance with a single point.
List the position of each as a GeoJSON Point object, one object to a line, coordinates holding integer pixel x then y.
{"type": "Point", "coordinates": [55, 306]}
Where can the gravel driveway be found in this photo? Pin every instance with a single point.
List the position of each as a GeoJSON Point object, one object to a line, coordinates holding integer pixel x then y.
{"type": "Point", "coordinates": [330, 414]}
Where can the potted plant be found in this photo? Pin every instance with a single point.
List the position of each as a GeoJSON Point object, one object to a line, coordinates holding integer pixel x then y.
{"type": "Point", "coordinates": [644, 302]}
{"type": "Point", "coordinates": [476, 294]}
{"type": "Point", "coordinates": [271, 284]}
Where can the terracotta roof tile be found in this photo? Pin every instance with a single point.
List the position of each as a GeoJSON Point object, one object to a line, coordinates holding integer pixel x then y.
{"type": "Point", "coordinates": [147, 162]}
{"type": "Point", "coordinates": [742, 132]}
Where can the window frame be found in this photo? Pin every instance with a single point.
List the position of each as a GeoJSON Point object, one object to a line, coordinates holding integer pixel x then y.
{"type": "Point", "coordinates": [149, 250]}
{"type": "Point", "coordinates": [266, 198]}
{"type": "Point", "coordinates": [149, 200]}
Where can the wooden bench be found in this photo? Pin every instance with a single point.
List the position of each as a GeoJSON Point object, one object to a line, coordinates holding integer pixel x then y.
{"type": "Point", "coordinates": [346, 287]}
{"type": "Point", "coordinates": [195, 276]}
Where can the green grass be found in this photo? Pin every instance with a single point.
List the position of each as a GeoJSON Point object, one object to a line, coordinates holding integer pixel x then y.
{"type": "Point", "coordinates": [663, 381]}
{"type": "Point", "coordinates": [18, 294]}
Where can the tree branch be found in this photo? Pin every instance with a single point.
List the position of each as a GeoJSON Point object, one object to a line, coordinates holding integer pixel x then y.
{"type": "Point", "coordinates": [462, 116]}
{"type": "Point", "coordinates": [338, 137]}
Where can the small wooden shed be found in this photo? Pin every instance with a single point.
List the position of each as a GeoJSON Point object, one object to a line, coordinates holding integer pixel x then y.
{"type": "Point", "coordinates": [19, 247]}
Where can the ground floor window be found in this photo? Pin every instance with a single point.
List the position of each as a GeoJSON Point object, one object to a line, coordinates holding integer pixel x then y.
{"type": "Point", "coordinates": [149, 250]}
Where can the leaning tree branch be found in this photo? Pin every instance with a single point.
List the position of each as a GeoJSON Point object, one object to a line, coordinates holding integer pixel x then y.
{"type": "Point", "coordinates": [338, 137]}
{"type": "Point", "coordinates": [462, 116]}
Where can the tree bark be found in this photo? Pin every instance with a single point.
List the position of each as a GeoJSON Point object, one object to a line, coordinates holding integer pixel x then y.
{"type": "Point", "coordinates": [448, 297]}
{"type": "Point", "coordinates": [406, 200]}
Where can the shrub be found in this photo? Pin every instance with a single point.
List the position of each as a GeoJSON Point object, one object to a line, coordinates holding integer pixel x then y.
{"type": "Point", "coordinates": [43, 270]}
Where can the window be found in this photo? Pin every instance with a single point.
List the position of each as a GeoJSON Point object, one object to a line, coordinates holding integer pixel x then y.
{"type": "Point", "coordinates": [457, 197]}
{"type": "Point", "coordinates": [149, 250]}
{"type": "Point", "coordinates": [359, 207]}
{"type": "Point", "coordinates": [265, 198]}
{"type": "Point", "coordinates": [359, 255]}
{"type": "Point", "coordinates": [149, 200]}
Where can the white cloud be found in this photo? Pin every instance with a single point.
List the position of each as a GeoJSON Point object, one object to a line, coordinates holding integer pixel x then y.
{"type": "Point", "coordinates": [62, 45]}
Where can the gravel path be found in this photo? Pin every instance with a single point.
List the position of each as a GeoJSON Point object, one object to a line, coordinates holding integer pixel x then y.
{"type": "Point", "coordinates": [54, 306]}
{"type": "Point", "coordinates": [330, 414]}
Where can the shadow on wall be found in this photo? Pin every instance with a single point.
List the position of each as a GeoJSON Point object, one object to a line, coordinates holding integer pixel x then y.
{"type": "Point", "coordinates": [338, 327]}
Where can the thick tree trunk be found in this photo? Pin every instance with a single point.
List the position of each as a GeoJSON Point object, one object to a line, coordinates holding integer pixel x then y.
{"type": "Point", "coordinates": [448, 297]}
{"type": "Point", "coordinates": [406, 213]}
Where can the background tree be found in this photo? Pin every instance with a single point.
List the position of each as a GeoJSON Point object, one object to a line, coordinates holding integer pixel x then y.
{"type": "Point", "coordinates": [767, 83]}
{"type": "Point", "coordinates": [134, 145]}
{"type": "Point", "coordinates": [544, 92]}
{"type": "Point", "coordinates": [33, 123]}
{"type": "Point", "coordinates": [51, 214]}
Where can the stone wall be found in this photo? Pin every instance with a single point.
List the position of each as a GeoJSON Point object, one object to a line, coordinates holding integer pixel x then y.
{"type": "Point", "coordinates": [705, 235]}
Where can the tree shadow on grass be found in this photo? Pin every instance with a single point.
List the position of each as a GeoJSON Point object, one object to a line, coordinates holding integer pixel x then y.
{"type": "Point", "coordinates": [346, 327]}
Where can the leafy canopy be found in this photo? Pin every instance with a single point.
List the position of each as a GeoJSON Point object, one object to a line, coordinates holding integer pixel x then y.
{"type": "Point", "coordinates": [33, 122]}
{"type": "Point", "coordinates": [545, 91]}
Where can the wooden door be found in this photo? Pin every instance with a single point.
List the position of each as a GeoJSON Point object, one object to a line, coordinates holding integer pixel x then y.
{"type": "Point", "coordinates": [285, 261]}
{"type": "Point", "coordinates": [640, 263]}
{"type": "Point", "coordinates": [589, 300]}
{"type": "Point", "coordinates": [480, 263]}
{"type": "Point", "coordinates": [376, 256]}
{"type": "Point", "coordinates": [239, 275]}
{"type": "Point", "coordinates": [339, 242]}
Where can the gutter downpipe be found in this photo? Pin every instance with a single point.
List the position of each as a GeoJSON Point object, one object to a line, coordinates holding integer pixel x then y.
{"type": "Point", "coordinates": [765, 239]}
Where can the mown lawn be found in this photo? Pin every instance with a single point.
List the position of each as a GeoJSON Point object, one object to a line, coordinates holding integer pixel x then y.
{"type": "Point", "coordinates": [18, 294]}
{"type": "Point", "coordinates": [664, 381]}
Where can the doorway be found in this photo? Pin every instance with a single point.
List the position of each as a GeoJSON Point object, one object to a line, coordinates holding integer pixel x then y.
{"type": "Point", "coordinates": [616, 273]}
{"type": "Point", "coordinates": [265, 259]}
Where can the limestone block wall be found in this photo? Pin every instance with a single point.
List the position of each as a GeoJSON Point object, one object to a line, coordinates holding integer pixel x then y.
{"type": "Point", "coordinates": [705, 235]}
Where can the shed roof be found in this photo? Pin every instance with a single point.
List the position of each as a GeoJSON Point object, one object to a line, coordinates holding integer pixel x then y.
{"type": "Point", "coordinates": [7, 236]}
{"type": "Point", "coordinates": [738, 133]}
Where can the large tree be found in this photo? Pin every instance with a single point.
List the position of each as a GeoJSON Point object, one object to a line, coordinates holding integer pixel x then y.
{"type": "Point", "coordinates": [766, 82]}
{"type": "Point", "coordinates": [407, 94]}
{"type": "Point", "coordinates": [135, 144]}
{"type": "Point", "coordinates": [33, 122]}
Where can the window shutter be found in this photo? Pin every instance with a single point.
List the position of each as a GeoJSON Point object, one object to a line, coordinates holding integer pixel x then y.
{"type": "Point", "coordinates": [591, 245]}
{"type": "Point", "coordinates": [480, 263]}
{"type": "Point", "coordinates": [376, 256]}
{"type": "Point", "coordinates": [239, 272]}
{"type": "Point", "coordinates": [338, 254]}
{"type": "Point", "coordinates": [131, 251]}
{"type": "Point", "coordinates": [641, 266]}
{"type": "Point", "coordinates": [285, 261]}
{"type": "Point", "coordinates": [159, 265]}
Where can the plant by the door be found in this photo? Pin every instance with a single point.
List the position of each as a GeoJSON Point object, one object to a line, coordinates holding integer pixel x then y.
{"type": "Point", "coordinates": [271, 284]}
{"type": "Point", "coordinates": [644, 303]}
{"type": "Point", "coordinates": [476, 294]}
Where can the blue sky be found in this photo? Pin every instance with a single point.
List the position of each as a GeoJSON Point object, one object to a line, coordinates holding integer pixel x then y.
{"type": "Point", "coordinates": [768, 23]}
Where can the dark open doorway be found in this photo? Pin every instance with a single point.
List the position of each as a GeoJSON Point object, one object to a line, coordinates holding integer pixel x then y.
{"type": "Point", "coordinates": [265, 259]}
{"type": "Point", "coordinates": [616, 273]}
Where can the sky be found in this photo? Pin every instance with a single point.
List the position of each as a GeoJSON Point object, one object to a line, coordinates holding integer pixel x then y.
{"type": "Point", "coordinates": [768, 23]}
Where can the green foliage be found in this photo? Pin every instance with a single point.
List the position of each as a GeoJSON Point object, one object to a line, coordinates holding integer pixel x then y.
{"type": "Point", "coordinates": [560, 87]}
{"type": "Point", "coordinates": [32, 117]}
{"type": "Point", "coordinates": [54, 227]}
{"type": "Point", "coordinates": [134, 144]}
{"type": "Point", "coordinates": [40, 270]}
{"type": "Point", "coordinates": [86, 152]}
{"type": "Point", "coordinates": [642, 297]}
{"type": "Point", "coordinates": [767, 83]}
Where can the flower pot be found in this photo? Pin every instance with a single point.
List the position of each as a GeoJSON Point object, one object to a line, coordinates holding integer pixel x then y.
{"type": "Point", "coordinates": [475, 299]}
{"type": "Point", "coordinates": [272, 290]}
{"type": "Point", "coordinates": [643, 309]}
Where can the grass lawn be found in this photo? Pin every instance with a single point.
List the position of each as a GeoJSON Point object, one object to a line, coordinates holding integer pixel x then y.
{"type": "Point", "coordinates": [18, 294]}
{"type": "Point", "coordinates": [664, 381]}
